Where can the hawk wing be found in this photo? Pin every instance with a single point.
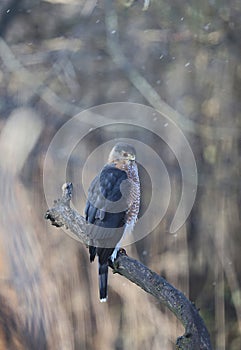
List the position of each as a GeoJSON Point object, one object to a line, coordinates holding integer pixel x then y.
{"type": "Point", "coordinates": [106, 208]}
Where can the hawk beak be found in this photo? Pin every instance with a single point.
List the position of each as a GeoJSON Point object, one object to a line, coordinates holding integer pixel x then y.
{"type": "Point", "coordinates": [131, 157]}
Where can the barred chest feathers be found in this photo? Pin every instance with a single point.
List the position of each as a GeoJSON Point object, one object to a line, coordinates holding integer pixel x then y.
{"type": "Point", "coordinates": [134, 195]}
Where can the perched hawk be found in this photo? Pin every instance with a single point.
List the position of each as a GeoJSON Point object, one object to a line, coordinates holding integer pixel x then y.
{"type": "Point", "coordinates": [112, 207]}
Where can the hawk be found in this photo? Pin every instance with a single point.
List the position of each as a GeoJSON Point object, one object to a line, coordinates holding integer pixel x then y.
{"type": "Point", "coordinates": [112, 208]}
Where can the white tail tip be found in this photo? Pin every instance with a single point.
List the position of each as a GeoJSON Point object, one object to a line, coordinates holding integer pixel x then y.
{"type": "Point", "coordinates": [103, 300]}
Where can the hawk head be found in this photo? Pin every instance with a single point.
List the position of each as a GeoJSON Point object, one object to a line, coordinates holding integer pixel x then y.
{"type": "Point", "coordinates": [122, 152]}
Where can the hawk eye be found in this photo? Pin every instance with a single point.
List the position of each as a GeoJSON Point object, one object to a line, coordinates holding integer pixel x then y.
{"type": "Point", "coordinates": [125, 154]}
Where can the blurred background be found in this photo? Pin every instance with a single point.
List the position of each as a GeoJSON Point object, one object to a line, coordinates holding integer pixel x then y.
{"type": "Point", "coordinates": [59, 57]}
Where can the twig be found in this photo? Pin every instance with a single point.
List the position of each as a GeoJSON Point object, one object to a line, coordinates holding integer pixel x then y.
{"type": "Point", "coordinates": [196, 336]}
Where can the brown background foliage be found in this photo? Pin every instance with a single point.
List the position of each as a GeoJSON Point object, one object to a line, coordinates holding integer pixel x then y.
{"type": "Point", "coordinates": [56, 60]}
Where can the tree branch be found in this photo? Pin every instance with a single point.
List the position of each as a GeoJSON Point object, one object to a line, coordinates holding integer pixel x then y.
{"type": "Point", "coordinates": [196, 335]}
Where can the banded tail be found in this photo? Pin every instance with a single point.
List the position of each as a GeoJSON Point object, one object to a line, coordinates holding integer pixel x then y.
{"type": "Point", "coordinates": [103, 278]}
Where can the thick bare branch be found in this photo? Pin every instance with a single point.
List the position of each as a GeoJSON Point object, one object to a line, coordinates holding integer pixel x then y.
{"type": "Point", "coordinates": [62, 215]}
{"type": "Point", "coordinates": [196, 336]}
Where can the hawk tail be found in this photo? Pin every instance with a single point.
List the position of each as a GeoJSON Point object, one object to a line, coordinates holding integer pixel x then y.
{"type": "Point", "coordinates": [92, 251]}
{"type": "Point", "coordinates": [103, 277]}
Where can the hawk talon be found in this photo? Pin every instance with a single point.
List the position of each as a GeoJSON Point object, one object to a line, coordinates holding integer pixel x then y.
{"type": "Point", "coordinates": [113, 264]}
